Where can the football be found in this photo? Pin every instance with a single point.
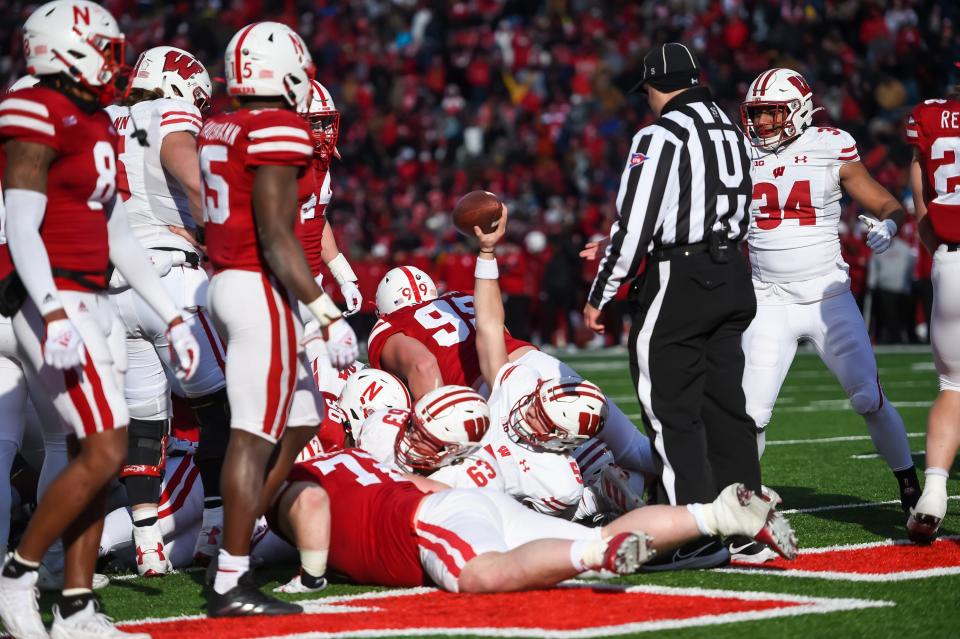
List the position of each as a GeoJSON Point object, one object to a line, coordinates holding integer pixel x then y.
{"type": "Point", "coordinates": [477, 208]}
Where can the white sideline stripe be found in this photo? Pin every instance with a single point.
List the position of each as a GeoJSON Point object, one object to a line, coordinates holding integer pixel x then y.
{"type": "Point", "coordinates": [870, 504]}
{"type": "Point", "coordinates": [847, 576]}
{"type": "Point", "coordinates": [828, 440]}
{"type": "Point", "coordinates": [834, 405]}
{"type": "Point", "coordinates": [913, 453]}
{"type": "Point", "coordinates": [808, 605]}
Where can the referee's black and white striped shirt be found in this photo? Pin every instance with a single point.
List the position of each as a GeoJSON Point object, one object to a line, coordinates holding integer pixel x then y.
{"type": "Point", "coordinates": [687, 174]}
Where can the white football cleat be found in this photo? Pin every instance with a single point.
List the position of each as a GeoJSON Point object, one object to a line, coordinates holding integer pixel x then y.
{"type": "Point", "coordinates": [20, 606]}
{"type": "Point", "coordinates": [926, 517]}
{"type": "Point", "coordinates": [88, 623]}
{"type": "Point", "coordinates": [296, 586]}
{"type": "Point", "coordinates": [50, 581]}
{"type": "Point", "coordinates": [739, 511]}
{"type": "Point", "coordinates": [626, 552]}
{"type": "Point", "coordinates": [151, 554]}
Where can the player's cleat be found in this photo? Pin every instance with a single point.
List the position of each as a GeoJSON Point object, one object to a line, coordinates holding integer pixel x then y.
{"type": "Point", "coordinates": [208, 544]}
{"type": "Point", "coordinates": [626, 552]}
{"type": "Point", "coordinates": [151, 555]}
{"type": "Point", "coordinates": [705, 552]}
{"type": "Point", "coordinates": [910, 490]}
{"type": "Point", "coordinates": [925, 518]}
{"type": "Point", "coordinates": [50, 581]}
{"type": "Point", "coordinates": [297, 586]}
{"type": "Point", "coordinates": [745, 550]}
{"type": "Point", "coordinates": [739, 511]}
{"type": "Point", "coordinates": [20, 606]}
{"type": "Point", "coordinates": [245, 599]}
{"type": "Point", "coordinates": [88, 623]}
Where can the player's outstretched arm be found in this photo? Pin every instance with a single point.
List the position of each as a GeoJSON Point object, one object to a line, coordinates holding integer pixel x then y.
{"type": "Point", "coordinates": [921, 190]}
{"type": "Point", "coordinates": [859, 185]}
{"type": "Point", "coordinates": [409, 358]}
{"type": "Point", "coordinates": [178, 155]}
{"type": "Point", "coordinates": [488, 305]}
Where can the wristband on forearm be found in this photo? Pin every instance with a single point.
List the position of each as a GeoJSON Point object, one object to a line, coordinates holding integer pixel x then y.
{"type": "Point", "coordinates": [324, 310]}
{"type": "Point", "coordinates": [486, 269]}
{"type": "Point", "coordinates": [341, 270]}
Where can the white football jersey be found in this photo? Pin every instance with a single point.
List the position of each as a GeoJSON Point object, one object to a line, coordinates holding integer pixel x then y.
{"type": "Point", "coordinates": [153, 198]}
{"type": "Point", "coordinates": [795, 214]}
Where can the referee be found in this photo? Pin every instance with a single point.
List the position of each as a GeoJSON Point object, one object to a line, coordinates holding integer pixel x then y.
{"type": "Point", "coordinates": [683, 203]}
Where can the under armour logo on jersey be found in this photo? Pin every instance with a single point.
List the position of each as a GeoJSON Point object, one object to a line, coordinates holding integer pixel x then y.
{"type": "Point", "coordinates": [524, 466]}
{"type": "Point", "coordinates": [778, 172]}
{"type": "Point", "coordinates": [799, 158]}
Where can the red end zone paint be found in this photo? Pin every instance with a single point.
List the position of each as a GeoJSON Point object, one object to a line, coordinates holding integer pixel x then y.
{"type": "Point", "coordinates": [584, 611]}
{"type": "Point", "coordinates": [883, 561]}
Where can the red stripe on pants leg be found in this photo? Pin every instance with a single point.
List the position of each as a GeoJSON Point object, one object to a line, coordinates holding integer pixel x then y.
{"type": "Point", "coordinates": [442, 554]}
{"type": "Point", "coordinates": [276, 364]}
{"type": "Point", "coordinates": [71, 382]}
{"type": "Point", "coordinates": [103, 406]}
{"type": "Point", "coordinates": [456, 542]}
{"type": "Point", "coordinates": [291, 358]}
{"type": "Point", "coordinates": [214, 342]}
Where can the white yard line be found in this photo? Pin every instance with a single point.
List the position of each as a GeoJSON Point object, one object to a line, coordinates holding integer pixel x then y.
{"type": "Point", "coordinates": [870, 504]}
{"type": "Point", "coordinates": [828, 440]}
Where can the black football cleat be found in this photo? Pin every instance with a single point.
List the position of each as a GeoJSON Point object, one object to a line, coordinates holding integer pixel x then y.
{"type": "Point", "coordinates": [245, 599]}
{"type": "Point", "coordinates": [706, 552]}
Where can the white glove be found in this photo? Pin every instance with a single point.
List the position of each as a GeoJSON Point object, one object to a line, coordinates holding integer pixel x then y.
{"type": "Point", "coordinates": [183, 345]}
{"type": "Point", "coordinates": [351, 293]}
{"type": "Point", "coordinates": [341, 344]}
{"type": "Point", "coordinates": [162, 262]}
{"type": "Point", "coordinates": [879, 234]}
{"type": "Point", "coordinates": [63, 347]}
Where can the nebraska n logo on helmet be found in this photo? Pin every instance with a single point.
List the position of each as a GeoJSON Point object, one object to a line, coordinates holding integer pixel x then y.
{"type": "Point", "coordinates": [269, 59]}
{"type": "Point", "coordinates": [77, 38]}
{"type": "Point", "coordinates": [786, 99]}
{"type": "Point", "coordinates": [176, 73]}
{"type": "Point", "coordinates": [370, 390]}
{"type": "Point", "coordinates": [404, 286]}
{"type": "Point", "coordinates": [559, 415]}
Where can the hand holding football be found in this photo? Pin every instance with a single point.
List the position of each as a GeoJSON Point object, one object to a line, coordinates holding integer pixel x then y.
{"type": "Point", "coordinates": [477, 208]}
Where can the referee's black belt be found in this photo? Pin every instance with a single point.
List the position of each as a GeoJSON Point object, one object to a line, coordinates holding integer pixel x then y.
{"type": "Point", "coordinates": [682, 250]}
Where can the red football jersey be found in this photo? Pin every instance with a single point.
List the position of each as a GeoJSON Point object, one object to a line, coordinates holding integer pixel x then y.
{"type": "Point", "coordinates": [232, 146]}
{"type": "Point", "coordinates": [80, 182]}
{"type": "Point", "coordinates": [934, 129]}
{"type": "Point", "coordinates": [372, 511]}
{"type": "Point", "coordinates": [447, 327]}
{"type": "Point", "coordinates": [312, 219]}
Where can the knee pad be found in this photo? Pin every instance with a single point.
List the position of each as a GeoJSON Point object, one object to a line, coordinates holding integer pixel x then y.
{"type": "Point", "coordinates": [866, 399]}
{"type": "Point", "coordinates": [213, 414]}
{"type": "Point", "coordinates": [141, 474]}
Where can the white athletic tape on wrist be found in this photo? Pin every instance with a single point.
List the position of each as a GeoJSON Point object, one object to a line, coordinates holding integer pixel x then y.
{"type": "Point", "coordinates": [324, 310]}
{"type": "Point", "coordinates": [341, 270]}
{"type": "Point", "coordinates": [486, 269]}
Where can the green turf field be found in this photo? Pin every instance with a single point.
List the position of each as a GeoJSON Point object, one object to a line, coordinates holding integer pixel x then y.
{"type": "Point", "coordinates": [830, 475]}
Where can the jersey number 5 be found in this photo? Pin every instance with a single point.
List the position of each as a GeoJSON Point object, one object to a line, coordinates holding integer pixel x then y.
{"type": "Point", "coordinates": [798, 205]}
{"type": "Point", "coordinates": [214, 188]}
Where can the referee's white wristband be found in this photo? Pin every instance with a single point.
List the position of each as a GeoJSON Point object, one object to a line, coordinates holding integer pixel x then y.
{"type": "Point", "coordinates": [486, 269]}
{"type": "Point", "coordinates": [324, 310]}
{"type": "Point", "coordinates": [341, 270]}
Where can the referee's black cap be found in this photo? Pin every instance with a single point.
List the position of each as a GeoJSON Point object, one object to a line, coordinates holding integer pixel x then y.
{"type": "Point", "coordinates": [669, 67]}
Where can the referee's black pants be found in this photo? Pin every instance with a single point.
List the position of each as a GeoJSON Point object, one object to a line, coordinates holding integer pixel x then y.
{"type": "Point", "coordinates": [687, 364]}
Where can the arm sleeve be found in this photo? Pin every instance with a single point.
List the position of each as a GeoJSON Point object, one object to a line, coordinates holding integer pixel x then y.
{"type": "Point", "coordinates": [638, 208]}
{"type": "Point", "coordinates": [128, 256]}
{"type": "Point", "coordinates": [27, 250]}
{"type": "Point", "coordinates": [278, 137]}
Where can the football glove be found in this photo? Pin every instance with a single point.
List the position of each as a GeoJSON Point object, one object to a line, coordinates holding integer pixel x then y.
{"type": "Point", "coordinates": [341, 344]}
{"type": "Point", "coordinates": [63, 347]}
{"type": "Point", "coordinates": [879, 233]}
{"type": "Point", "coordinates": [351, 293]}
{"type": "Point", "coordinates": [184, 348]}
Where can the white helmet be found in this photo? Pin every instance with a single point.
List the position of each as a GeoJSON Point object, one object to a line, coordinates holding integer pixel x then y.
{"type": "Point", "coordinates": [324, 119]}
{"type": "Point", "coordinates": [25, 82]}
{"type": "Point", "coordinates": [404, 286]}
{"type": "Point", "coordinates": [78, 38]}
{"type": "Point", "coordinates": [176, 73]}
{"type": "Point", "coordinates": [566, 412]}
{"type": "Point", "coordinates": [788, 95]}
{"type": "Point", "coordinates": [269, 59]}
{"type": "Point", "coordinates": [447, 425]}
{"type": "Point", "coordinates": [370, 390]}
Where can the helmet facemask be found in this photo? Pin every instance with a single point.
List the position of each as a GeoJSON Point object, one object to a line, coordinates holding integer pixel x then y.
{"type": "Point", "coordinates": [325, 126]}
{"type": "Point", "coordinates": [111, 49]}
{"type": "Point", "coordinates": [775, 133]}
{"type": "Point", "coordinates": [417, 450]}
{"type": "Point", "coordinates": [531, 426]}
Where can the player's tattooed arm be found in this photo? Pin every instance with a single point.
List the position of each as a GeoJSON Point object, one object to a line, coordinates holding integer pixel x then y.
{"type": "Point", "coordinates": [178, 155]}
{"type": "Point", "coordinates": [275, 211]}
{"type": "Point", "coordinates": [413, 361]}
{"type": "Point", "coordinates": [921, 192]}
{"type": "Point", "coordinates": [859, 185]}
{"type": "Point", "coordinates": [488, 306]}
{"type": "Point", "coordinates": [27, 165]}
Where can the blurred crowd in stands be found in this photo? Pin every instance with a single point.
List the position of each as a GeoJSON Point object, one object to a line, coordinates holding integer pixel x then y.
{"type": "Point", "coordinates": [528, 99]}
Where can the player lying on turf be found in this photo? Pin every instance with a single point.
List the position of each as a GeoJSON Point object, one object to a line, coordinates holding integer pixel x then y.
{"type": "Point", "coordinates": [379, 527]}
